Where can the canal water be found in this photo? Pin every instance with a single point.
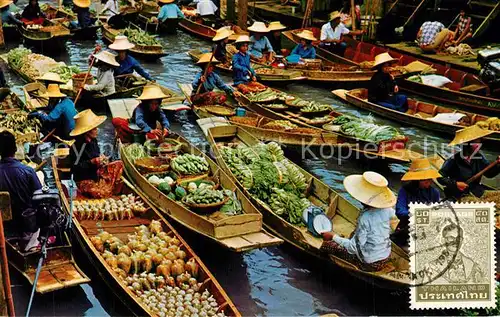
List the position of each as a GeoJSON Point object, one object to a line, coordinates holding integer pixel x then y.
{"type": "Point", "coordinates": [276, 281]}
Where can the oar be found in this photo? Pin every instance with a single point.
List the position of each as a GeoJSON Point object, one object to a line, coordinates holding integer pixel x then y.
{"type": "Point", "coordinates": [205, 72]}
{"type": "Point", "coordinates": [86, 76]}
{"type": "Point", "coordinates": [480, 173]}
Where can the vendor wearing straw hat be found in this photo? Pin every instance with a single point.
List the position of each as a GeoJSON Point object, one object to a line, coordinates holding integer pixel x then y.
{"type": "Point", "coordinates": [59, 112]}
{"type": "Point", "coordinates": [275, 28]}
{"type": "Point", "coordinates": [221, 39]}
{"type": "Point", "coordinates": [304, 49]}
{"type": "Point", "coordinates": [127, 63]}
{"type": "Point", "coordinates": [332, 34]}
{"type": "Point", "coordinates": [369, 248]}
{"type": "Point", "coordinates": [95, 177]}
{"type": "Point", "coordinates": [50, 78]}
{"type": "Point", "coordinates": [146, 116]}
{"type": "Point", "coordinates": [242, 70]}
{"type": "Point", "coordinates": [466, 163]}
{"type": "Point", "coordinates": [383, 89]}
{"type": "Point", "coordinates": [260, 47]}
{"type": "Point", "coordinates": [106, 63]}
{"type": "Point", "coordinates": [85, 20]}
{"type": "Point", "coordinates": [169, 10]}
{"type": "Point", "coordinates": [209, 80]}
{"type": "Point", "coordinates": [7, 15]}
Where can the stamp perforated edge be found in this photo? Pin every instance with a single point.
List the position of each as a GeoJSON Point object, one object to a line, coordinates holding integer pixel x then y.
{"type": "Point", "coordinates": [455, 304]}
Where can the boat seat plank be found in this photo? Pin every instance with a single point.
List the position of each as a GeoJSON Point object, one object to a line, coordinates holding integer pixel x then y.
{"type": "Point", "coordinates": [251, 240]}
{"type": "Point", "coordinates": [46, 281]}
{"type": "Point", "coordinates": [342, 226]}
{"type": "Point", "coordinates": [68, 275]}
{"type": "Point", "coordinates": [122, 108]}
{"type": "Point", "coordinates": [121, 226]}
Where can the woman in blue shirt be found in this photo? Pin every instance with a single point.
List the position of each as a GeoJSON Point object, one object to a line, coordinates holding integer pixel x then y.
{"type": "Point", "coordinates": [127, 63]}
{"type": "Point", "coordinates": [304, 49]}
{"type": "Point", "coordinates": [81, 7]}
{"type": "Point", "coordinates": [209, 81]}
{"type": "Point", "coordinates": [7, 15]}
{"type": "Point", "coordinates": [260, 47]}
{"type": "Point", "coordinates": [169, 10]}
{"type": "Point", "coordinates": [242, 70]}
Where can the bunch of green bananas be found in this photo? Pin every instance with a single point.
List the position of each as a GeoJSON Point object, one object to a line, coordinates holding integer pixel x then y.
{"type": "Point", "coordinates": [189, 164]}
{"type": "Point", "coordinates": [205, 196]}
{"type": "Point", "coordinates": [288, 205]}
{"type": "Point", "coordinates": [315, 107]}
{"type": "Point", "coordinates": [243, 174]}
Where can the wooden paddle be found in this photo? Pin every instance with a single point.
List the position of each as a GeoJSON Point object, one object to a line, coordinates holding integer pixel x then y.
{"type": "Point", "coordinates": [205, 72]}
{"type": "Point", "coordinates": [97, 49]}
{"type": "Point", "coordinates": [480, 173]}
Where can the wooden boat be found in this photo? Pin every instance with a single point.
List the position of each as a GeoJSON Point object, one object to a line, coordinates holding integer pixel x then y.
{"type": "Point", "coordinates": [237, 233]}
{"type": "Point", "coordinates": [466, 90]}
{"type": "Point", "coordinates": [32, 93]}
{"type": "Point", "coordinates": [195, 26]}
{"type": "Point", "coordinates": [340, 211]}
{"type": "Point", "coordinates": [422, 114]}
{"type": "Point", "coordinates": [264, 73]}
{"type": "Point", "coordinates": [9, 101]}
{"type": "Point", "coordinates": [50, 37]}
{"type": "Point", "coordinates": [62, 16]}
{"type": "Point", "coordinates": [84, 230]}
{"type": "Point", "coordinates": [167, 27]}
{"type": "Point", "coordinates": [150, 52]}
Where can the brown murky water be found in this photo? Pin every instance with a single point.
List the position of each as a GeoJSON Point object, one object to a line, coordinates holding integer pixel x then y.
{"type": "Point", "coordinates": [277, 281]}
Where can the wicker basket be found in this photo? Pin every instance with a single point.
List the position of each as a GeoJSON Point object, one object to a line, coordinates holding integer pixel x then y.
{"type": "Point", "coordinates": [205, 208]}
{"type": "Point", "coordinates": [219, 110]}
{"type": "Point", "coordinates": [214, 182]}
{"type": "Point", "coordinates": [151, 165]}
{"type": "Point", "coordinates": [78, 81]}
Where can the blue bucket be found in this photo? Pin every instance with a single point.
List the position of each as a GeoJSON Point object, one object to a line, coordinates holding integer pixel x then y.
{"type": "Point", "coordinates": [241, 112]}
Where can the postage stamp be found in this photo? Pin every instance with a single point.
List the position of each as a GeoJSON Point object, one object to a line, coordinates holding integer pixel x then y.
{"type": "Point", "coordinates": [452, 255]}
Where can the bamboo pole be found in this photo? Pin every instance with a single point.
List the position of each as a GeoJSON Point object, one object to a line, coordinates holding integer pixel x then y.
{"type": "Point", "coordinates": [2, 40]}
{"type": "Point", "coordinates": [353, 16]}
{"type": "Point", "coordinates": [5, 271]}
{"type": "Point", "coordinates": [480, 173]}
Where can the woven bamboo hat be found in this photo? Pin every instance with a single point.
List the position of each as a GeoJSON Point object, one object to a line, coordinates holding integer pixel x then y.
{"type": "Point", "coordinates": [307, 35]}
{"type": "Point", "coordinates": [371, 189]}
{"type": "Point", "coordinates": [275, 26]}
{"type": "Point", "coordinates": [4, 3]}
{"type": "Point", "coordinates": [152, 92]}
{"type": "Point", "coordinates": [421, 169]}
{"type": "Point", "coordinates": [258, 27]}
{"type": "Point", "coordinates": [243, 39]}
{"type": "Point", "coordinates": [107, 57]}
{"type": "Point", "coordinates": [468, 134]}
{"type": "Point", "coordinates": [334, 15]}
{"type": "Point", "coordinates": [222, 33]}
{"type": "Point", "coordinates": [86, 121]}
{"type": "Point", "coordinates": [82, 3]}
{"type": "Point", "coordinates": [53, 92]}
{"type": "Point", "coordinates": [51, 77]}
{"type": "Point", "coordinates": [383, 58]}
{"type": "Point", "coordinates": [205, 58]}
{"type": "Point", "coordinates": [121, 43]}
{"type": "Point", "coordinates": [166, 1]}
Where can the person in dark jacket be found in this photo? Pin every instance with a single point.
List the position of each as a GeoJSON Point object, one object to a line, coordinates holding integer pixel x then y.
{"type": "Point", "coordinates": [32, 13]}
{"type": "Point", "coordinates": [466, 163]}
{"type": "Point", "coordinates": [383, 89]}
{"type": "Point", "coordinates": [275, 28]}
{"type": "Point", "coordinates": [85, 20]}
{"type": "Point", "coordinates": [221, 39]}
{"type": "Point", "coordinates": [128, 64]}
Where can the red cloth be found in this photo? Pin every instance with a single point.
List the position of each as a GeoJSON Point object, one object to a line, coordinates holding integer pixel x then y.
{"type": "Point", "coordinates": [35, 21]}
{"type": "Point", "coordinates": [209, 98]}
{"type": "Point", "coordinates": [123, 132]}
{"type": "Point", "coordinates": [109, 182]}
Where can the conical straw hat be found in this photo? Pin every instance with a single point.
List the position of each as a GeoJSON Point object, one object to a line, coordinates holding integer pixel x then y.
{"type": "Point", "coordinates": [107, 57]}
{"type": "Point", "coordinates": [421, 169]}
{"type": "Point", "coordinates": [307, 35]}
{"type": "Point", "coordinates": [205, 58]}
{"type": "Point", "coordinates": [469, 134]}
{"type": "Point", "coordinates": [243, 39]}
{"type": "Point", "coordinates": [52, 77]}
{"type": "Point", "coordinates": [166, 1]}
{"type": "Point", "coordinates": [383, 58]}
{"type": "Point", "coordinates": [371, 189]}
{"type": "Point", "coordinates": [258, 27]}
{"type": "Point", "coordinates": [334, 15]}
{"type": "Point", "coordinates": [53, 92]}
{"type": "Point", "coordinates": [4, 3]}
{"type": "Point", "coordinates": [276, 26]}
{"type": "Point", "coordinates": [151, 92]}
{"type": "Point", "coordinates": [121, 43]}
{"type": "Point", "coordinates": [86, 121]}
{"type": "Point", "coordinates": [222, 33]}
{"type": "Point", "coordinates": [82, 3]}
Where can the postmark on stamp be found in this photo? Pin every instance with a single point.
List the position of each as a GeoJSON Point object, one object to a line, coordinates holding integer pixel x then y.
{"type": "Point", "coordinates": [452, 255]}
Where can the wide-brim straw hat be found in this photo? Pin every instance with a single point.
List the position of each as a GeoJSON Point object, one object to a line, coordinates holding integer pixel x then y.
{"type": "Point", "coordinates": [222, 33]}
{"type": "Point", "coordinates": [275, 26]}
{"type": "Point", "coordinates": [383, 58]}
{"type": "Point", "coordinates": [121, 43]}
{"type": "Point", "coordinates": [421, 169]}
{"type": "Point", "coordinates": [85, 121]}
{"type": "Point", "coordinates": [82, 3]}
{"type": "Point", "coordinates": [53, 92]}
{"type": "Point", "coordinates": [307, 35]}
{"type": "Point", "coordinates": [4, 3]}
{"type": "Point", "coordinates": [152, 92]}
{"type": "Point", "coordinates": [107, 57]}
{"type": "Point", "coordinates": [334, 15]}
{"type": "Point", "coordinates": [242, 39]}
{"type": "Point", "coordinates": [258, 27]}
{"type": "Point", "coordinates": [205, 58]}
{"type": "Point", "coordinates": [51, 77]}
{"type": "Point", "coordinates": [166, 1]}
{"type": "Point", "coordinates": [469, 134]}
{"type": "Point", "coordinates": [371, 189]}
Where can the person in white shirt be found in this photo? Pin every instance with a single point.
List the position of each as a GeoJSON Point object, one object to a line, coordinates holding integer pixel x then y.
{"type": "Point", "coordinates": [206, 8]}
{"type": "Point", "coordinates": [332, 34]}
{"type": "Point", "coordinates": [105, 64]}
{"type": "Point", "coordinates": [110, 8]}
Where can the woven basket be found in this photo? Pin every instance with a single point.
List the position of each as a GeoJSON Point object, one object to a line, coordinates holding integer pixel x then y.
{"type": "Point", "coordinates": [148, 48]}
{"type": "Point", "coordinates": [209, 180]}
{"type": "Point", "coordinates": [219, 110]}
{"type": "Point", "coordinates": [151, 165]}
{"type": "Point", "coordinates": [78, 81]}
{"type": "Point", "coordinates": [205, 208]}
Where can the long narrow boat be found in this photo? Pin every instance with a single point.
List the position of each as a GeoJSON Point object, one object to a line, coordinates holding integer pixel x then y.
{"type": "Point", "coordinates": [50, 37]}
{"type": "Point", "coordinates": [466, 90]}
{"type": "Point", "coordinates": [150, 52]}
{"type": "Point", "coordinates": [238, 233]}
{"type": "Point", "coordinates": [86, 230]}
{"type": "Point", "coordinates": [63, 16]}
{"type": "Point", "coordinates": [422, 114]}
{"type": "Point", "coordinates": [194, 25]}
{"type": "Point", "coordinates": [264, 74]}
{"type": "Point", "coordinates": [342, 214]}
{"type": "Point", "coordinates": [168, 27]}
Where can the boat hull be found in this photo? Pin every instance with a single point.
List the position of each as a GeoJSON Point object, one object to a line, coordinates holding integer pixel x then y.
{"type": "Point", "coordinates": [192, 27]}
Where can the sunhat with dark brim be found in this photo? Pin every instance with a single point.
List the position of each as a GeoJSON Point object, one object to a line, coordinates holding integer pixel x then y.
{"type": "Point", "coordinates": [335, 15]}
{"type": "Point", "coordinates": [421, 169]}
{"type": "Point", "coordinates": [383, 58]}
{"type": "Point", "coordinates": [371, 189]}
{"type": "Point", "coordinates": [86, 121]}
